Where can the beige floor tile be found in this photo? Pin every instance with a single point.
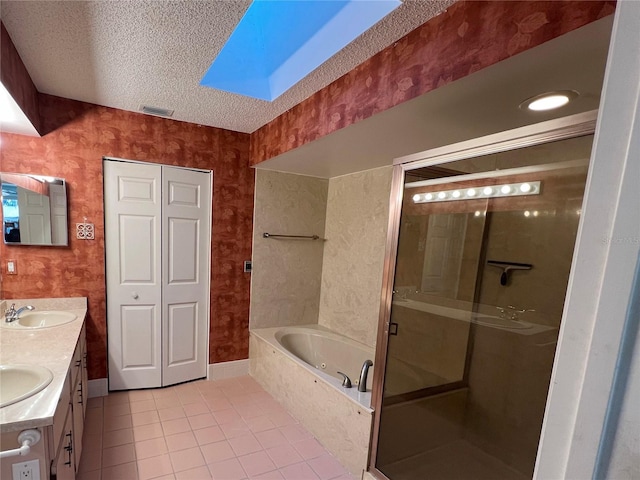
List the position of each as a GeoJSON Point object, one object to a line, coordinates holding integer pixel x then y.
{"type": "Point", "coordinates": [138, 395]}
{"type": "Point", "coordinates": [179, 425]}
{"type": "Point", "coordinates": [118, 423]}
{"type": "Point", "coordinates": [93, 475]}
{"type": "Point", "coordinates": [200, 473]}
{"type": "Point", "coordinates": [201, 421]}
{"type": "Point", "coordinates": [116, 410]}
{"type": "Point", "coordinates": [115, 398]}
{"type": "Point", "coordinates": [126, 471]}
{"type": "Point", "coordinates": [150, 448]}
{"type": "Point", "coordinates": [145, 418]}
{"type": "Point", "coordinates": [118, 455]}
{"type": "Point", "coordinates": [196, 408]}
{"type": "Point", "coordinates": [146, 432]}
{"type": "Point", "coordinates": [181, 441]}
{"type": "Point", "coordinates": [154, 467]}
{"type": "Point", "coordinates": [208, 435]}
{"type": "Point", "coordinates": [167, 402]}
{"type": "Point", "coordinates": [95, 402]}
{"type": "Point", "coordinates": [216, 452]}
{"type": "Point", "coordinates": [117, 437]}
{"type": "Point", "coordinates": [228, 469]}
{"type": "Point", "coordinates": [186, 459]}
{"type": "Point", "coordinates": [171, 413]}
{"type": "Point", "coordinates": [142, 406]}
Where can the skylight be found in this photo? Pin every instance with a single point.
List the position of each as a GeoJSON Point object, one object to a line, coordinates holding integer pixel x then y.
{"type": "Point", "coordinates": [279, 42]}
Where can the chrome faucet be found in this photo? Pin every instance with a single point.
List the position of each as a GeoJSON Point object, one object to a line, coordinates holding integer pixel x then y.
{"type": "Point", "coordinates": [346, 381]}
{"type": "Point", "coordinates": [512, 312]}
{"type": "Point", "coordinates": [12, 314]}
{"type": "Point", "coordinates": [362, 383]}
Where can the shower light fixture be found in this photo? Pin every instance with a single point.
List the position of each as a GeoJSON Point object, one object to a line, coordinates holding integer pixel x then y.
{"type": "Point", "coordinates": [549, 100]}
{"type": "Point", "coordinates": [495, 191]}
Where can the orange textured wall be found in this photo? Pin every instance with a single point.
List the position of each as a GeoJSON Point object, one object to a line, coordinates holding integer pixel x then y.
{"type": "Point", "coordinates": [466, 38]}
{"type": "Point", "coordinates": [80, 134]}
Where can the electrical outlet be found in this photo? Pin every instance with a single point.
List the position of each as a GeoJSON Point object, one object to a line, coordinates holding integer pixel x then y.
{"type": "Point", "coordinates": [26, 470]}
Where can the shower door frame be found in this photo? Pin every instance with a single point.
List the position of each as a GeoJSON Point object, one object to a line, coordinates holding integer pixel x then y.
{"type": "Point", "coordinates": [536, 134]}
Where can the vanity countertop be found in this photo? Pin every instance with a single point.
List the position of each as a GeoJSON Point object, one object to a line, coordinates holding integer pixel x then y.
{"type": "Point", "coordinates": [51, 347]}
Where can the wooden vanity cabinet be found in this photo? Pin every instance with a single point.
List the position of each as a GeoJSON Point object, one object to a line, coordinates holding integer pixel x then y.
{"type": "Point", "coordinates": [79, 394]}
{"type": "Point", "coordinates": [65, 445]}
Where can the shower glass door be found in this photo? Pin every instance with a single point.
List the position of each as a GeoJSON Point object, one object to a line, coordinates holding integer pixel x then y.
{"type": "Point", "coordinates": [484, 253]}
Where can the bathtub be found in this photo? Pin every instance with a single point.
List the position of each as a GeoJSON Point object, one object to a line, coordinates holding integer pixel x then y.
{"type": "Point", "coordinates": [298, 366]}
{"type": "Point", "coordinates": [329, 353]}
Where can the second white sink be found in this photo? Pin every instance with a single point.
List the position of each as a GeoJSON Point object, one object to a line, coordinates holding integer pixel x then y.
{"type": "Point", "coordinates": [22, 381]}
{"type": "Point", "coordinates": [44, 318]}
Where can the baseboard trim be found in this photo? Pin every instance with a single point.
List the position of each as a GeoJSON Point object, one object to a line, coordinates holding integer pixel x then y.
{"type": "Point", "coordinates": [98, 387]}
{"type": "Point", "coordinates": [235, 368]}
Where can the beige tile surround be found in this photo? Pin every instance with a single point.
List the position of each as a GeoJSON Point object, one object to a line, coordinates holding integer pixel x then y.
{"type": "Point", "coordinates": [356, 231]}
{"type": "Point", "coordinates": [285, 281]}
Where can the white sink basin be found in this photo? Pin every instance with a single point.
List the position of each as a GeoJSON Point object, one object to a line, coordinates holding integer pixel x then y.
{"type": "Point", "coordinates": [41, 319]}
{"type": "Point", "coordinates": [18, 382]}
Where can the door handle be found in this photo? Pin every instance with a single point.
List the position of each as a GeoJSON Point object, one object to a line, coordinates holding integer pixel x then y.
{"type": "Point", "coordinates": [134, 295]}
{"type": "Point", "coordinates": [393, 328]}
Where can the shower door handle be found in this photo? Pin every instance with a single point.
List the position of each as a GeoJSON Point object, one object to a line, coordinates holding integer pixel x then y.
{"type": "Point", "coordinates": [393, 328]}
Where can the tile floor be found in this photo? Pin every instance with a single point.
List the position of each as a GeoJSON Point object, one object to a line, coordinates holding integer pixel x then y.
{"type": "Point", "coordinates": [222, 430]}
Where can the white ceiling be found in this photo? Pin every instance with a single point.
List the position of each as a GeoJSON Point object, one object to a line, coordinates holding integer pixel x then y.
{"type": "Point", "coordinates": [477, 105]}
{"type": "Point", "coordinates": [125, 54]}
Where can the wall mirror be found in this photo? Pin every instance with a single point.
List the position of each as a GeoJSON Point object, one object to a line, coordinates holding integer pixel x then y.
{"type": "Point", "coordinates": [34, 210]}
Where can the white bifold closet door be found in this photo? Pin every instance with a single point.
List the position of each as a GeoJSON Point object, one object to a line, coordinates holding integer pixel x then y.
{"type": "Point", "coordinates": [157, 242]}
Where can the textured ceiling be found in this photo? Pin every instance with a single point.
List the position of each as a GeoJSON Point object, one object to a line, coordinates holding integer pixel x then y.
{"type": "Point", "coordinates": [125, 54]}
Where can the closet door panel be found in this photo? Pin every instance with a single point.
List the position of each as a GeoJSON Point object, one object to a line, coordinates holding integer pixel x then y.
{"type": "Point", "coordinates": [134, 280]}
{"type": "Point", "coordinates": [186, 244]}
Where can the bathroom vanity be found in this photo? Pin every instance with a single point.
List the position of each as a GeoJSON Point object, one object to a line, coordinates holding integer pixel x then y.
{"type": "Point", "coordinates": [57, 411]}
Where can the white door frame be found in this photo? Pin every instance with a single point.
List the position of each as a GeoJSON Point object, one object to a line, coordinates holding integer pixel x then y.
{"type": "Point", "coordinates": [599, 293]}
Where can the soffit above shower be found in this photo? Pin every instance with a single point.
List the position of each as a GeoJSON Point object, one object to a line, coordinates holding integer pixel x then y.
{"type": "Point", "coordinates": [480, 104]}
{"type": "Point", "coordinates": [155, 52]}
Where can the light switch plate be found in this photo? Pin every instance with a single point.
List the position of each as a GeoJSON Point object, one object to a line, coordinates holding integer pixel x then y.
{"type": "Point", "coordinates": [12, 267]}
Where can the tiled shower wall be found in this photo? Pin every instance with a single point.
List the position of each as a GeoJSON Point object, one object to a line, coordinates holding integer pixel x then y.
{"type": "Point", "coordinates": [336, 282]}
{"type": "Point", "coordinates": [356, 231]}
{"type": "Point", "coordinates": [285, 281]}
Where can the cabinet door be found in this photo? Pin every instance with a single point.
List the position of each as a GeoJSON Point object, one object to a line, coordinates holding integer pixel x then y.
{"type": "Point", "coordinates": [64, 464]}
{"type": "Point", "coordinates": [78, 420]}
{"type": "Point", "coordinates": [85, 373]}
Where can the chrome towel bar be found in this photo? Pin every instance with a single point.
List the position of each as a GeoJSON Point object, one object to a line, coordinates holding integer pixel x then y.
{"type": "Point", "coordinates": [308, 237]}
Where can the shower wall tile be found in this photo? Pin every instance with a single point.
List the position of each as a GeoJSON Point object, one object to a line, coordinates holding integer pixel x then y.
{"type": "Point", "coordinates": [78, 136]}
{"type": "Point", "coordinates": [285, 282]}
{"type": "Point", "coordinates": [356, 232]}
{"type": "Point", "coordinates": [467, 37]}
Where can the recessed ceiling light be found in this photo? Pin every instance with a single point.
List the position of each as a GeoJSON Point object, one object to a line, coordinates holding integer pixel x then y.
{"type": "Point", "coordinates": [549, 100]}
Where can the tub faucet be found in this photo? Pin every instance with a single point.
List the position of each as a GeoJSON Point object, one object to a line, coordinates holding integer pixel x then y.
{"type": "Point", "coordinates": [362, 384]}
{"type": "Point", "coordinates": [346, 381]}
{"type": "Point", "coordinates": [12, 314]}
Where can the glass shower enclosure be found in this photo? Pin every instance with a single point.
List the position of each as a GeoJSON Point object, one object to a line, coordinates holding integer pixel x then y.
{"type": "Point", "coordinates": [484, 251]}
